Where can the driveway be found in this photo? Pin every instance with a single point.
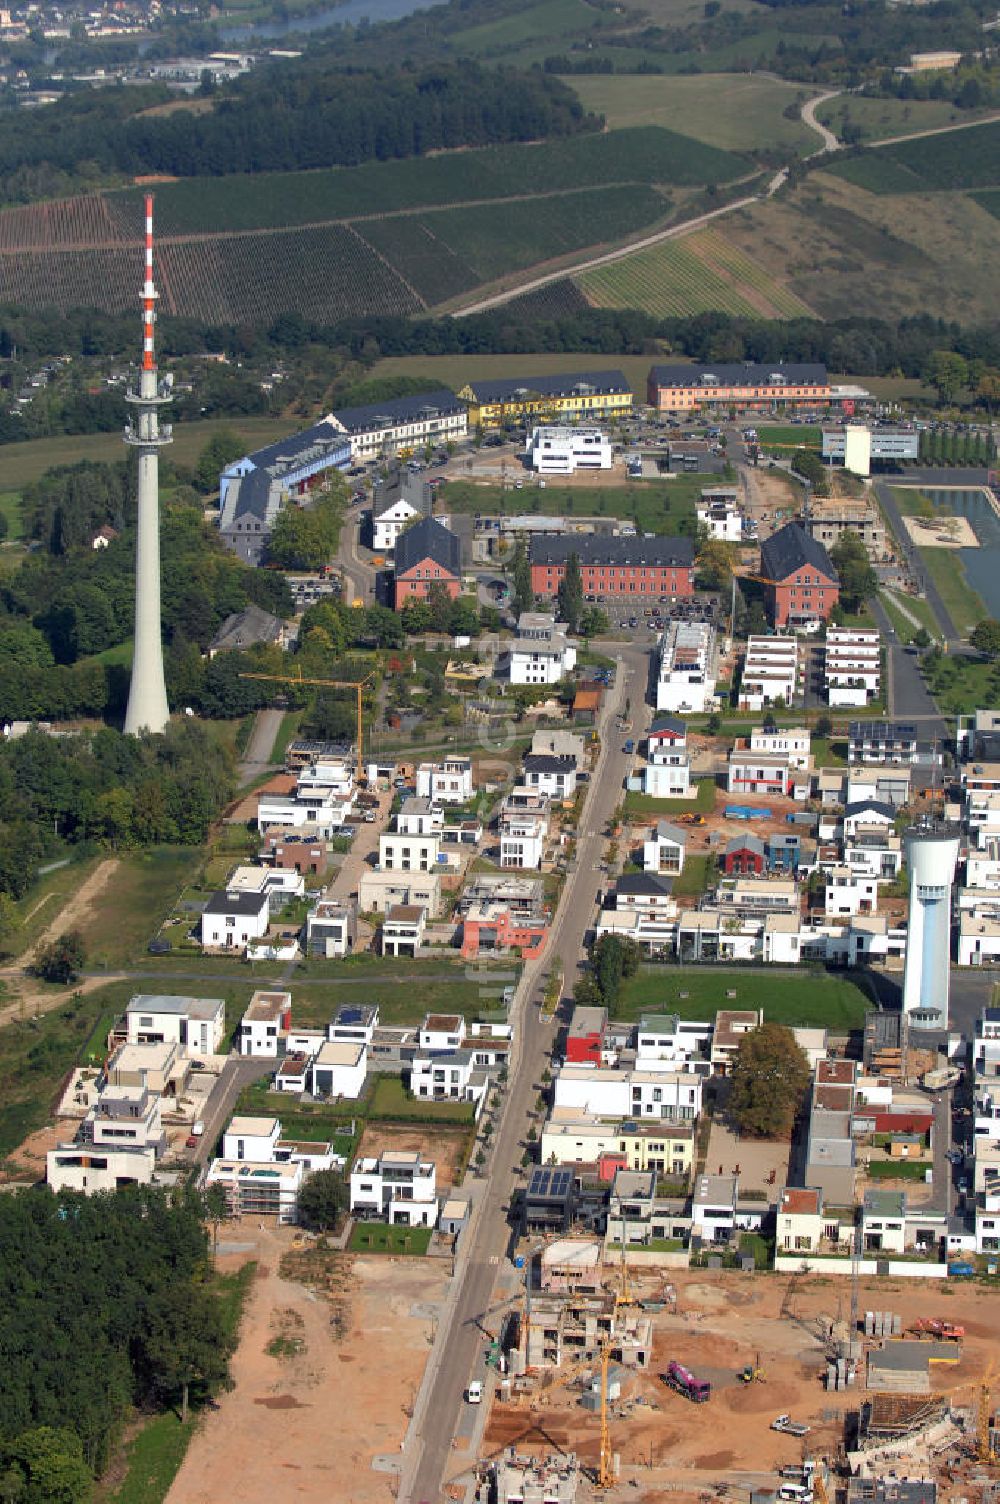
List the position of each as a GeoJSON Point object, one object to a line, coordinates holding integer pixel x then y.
{"type": "Point", "coordinates": [257, 757]}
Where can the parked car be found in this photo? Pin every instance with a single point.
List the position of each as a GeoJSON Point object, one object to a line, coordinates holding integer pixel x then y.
{"type": "Point", "coordinates": [190, 1142]}
{"type": "Point", "coordinates": [474, 1393]}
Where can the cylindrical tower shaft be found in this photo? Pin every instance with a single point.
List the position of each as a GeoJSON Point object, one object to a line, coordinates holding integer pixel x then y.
{"type": "Point", "coordinates": [147, 700]}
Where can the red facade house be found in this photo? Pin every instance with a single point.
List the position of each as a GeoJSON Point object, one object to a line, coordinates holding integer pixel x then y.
{"type": "Point", "coordinates": [426, 554]}
{"type": "Point", "coordinates": [744, 857]}
{"type": "Point", "coordinates": [643, 569]}
{"type": "Point", "coordinates": [800, 583]}
{"type": "Point", "coordinates": [585, 1040]}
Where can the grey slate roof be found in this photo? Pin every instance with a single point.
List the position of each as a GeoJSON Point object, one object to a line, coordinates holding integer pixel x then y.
{"type": "Point", "coordinates": [396, 410]}
{"type": "Point", "coordinates": [568, 384]}
{"type": "Point", "coordinates": [271, 462]}
{"type": "Point", "coordinates": [244, 904]}
{"type": "Point", "coordinates": [636, 884]}
{"type": "Point", "coordinates": [667, 723]}
{"type": "Point", "coordinates": [877, 805]}
{"type": "Point", "coordinates": [428, 539]}
{"type": "Point", "coordinates": [789, 549]}
{"type": "Point", "coordinates": [741, 373]}
{"type": "Point", "coordinates": [242, 628]}
{"type": "Point", "coordinates": [593, 549]}
{"type": "Point", "coordinates": [746, 843]}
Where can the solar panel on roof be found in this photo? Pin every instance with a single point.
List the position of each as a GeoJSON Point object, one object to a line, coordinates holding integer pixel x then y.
{"type": "Point", "coordinates": [350, 1015]}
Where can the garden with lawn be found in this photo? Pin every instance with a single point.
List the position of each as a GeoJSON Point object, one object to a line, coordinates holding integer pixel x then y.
{"type": "Point", "coordinates": [379, 1237]}
{"type": "Point", "coordinates": [799, 998]}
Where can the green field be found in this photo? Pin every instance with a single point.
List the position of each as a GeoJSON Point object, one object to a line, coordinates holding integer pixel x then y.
{"type": "Point", "coordinates": [693, 274]}
{"type": "Point", "coordinates": [636, 806]}
{"type": "Point", "coordinates": [968, 158]}
{"type": "Point", "coordinates": [655, 506]}
{"type": "Point", "coordinates": [643, 155]}
{"type": "Point", "coordinates": [989, 201]}
{"type": "Point", "coordinates": [803, 998]}
{"type": "Point", "coordinates": [27, 461]}
{"type": "Point", "coordinates": [881, 118]}
{"type": "Point", "coordinates": [916, 606]}
{"type": "Point", "coordinates": [736, 112]}
{"type": "Point", "coordinates": [960, 684]}
{"type": "Point", "coordinates": [789, 435]}
{"type": "Point", "coordinates": [379, 1237]}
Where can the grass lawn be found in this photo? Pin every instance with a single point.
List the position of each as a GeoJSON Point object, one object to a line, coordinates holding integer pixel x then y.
{"type": "Point", "coordinates": [883, 1169]}
{"type": "Point", "coordinates": [878, 119]}
{"type": "Point", "coordinates": [654, 506]}
{"type": "Point", "coordinates": [26, 462]}
{"type": "Point", "coordinates": [738, 112]}
{"type": "Point", "coordinates": [827, 754]}
{"type": "Point", "coordinates": [287, 732]}
{"type": "Point", "coordinates": [807, 998]}
{"type": "Point", "coordinates": [402, 1001]}
{"type": "Point", "coordinates": [646, 804]}
{"type": "Point", "coordinates": [693, 879]}
{"type": "Point", "coordinates": [959, 685]}
{"type": "Point", "coordinates": [10, 507]}
{"type": "Point", "coordinates": [128, 912]}
{"type": "Point", "coordinates": [963, 604]}
{"type": "Point", "coordinates": [916, 606]}
{"type": "Point", "coordinates": [379, 1237]}
{"type": "Point", "coordinates": [41, 905]}
{"type": "Point", "coordinates": [390, 1099]}
{"type": "Point", "coordinates": [310, 1121]}
{"type": "Point", "coordinates": [794, 435]}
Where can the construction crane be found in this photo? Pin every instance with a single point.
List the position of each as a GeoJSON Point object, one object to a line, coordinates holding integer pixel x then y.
{"type": "Point", "coordinates": [360, 685]}
{"type": "Point", "coordinates": [984, 1445]}
{"type": "Point", "coordinates": [605, 1465]}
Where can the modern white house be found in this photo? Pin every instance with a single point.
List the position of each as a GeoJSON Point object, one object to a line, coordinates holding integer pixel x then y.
{"type": "Point", "coordinates": [685, 680]}
{"type": "Point", "coordinates": [612, 1093]}
{"type": "Point", "coordinates": [399, 1188]}
{"type": "Point", "coordinates": [232, 921]}
{"type": "Point", "coordinates": [84, 1167]}
{"type": "Point", "coordinates": [718, 512]}
{"type": "Point", "coordinates": [378, 891]}
{"type": "Point", "coordinates": [542, 652]}
{"type": "Point", "coordinates": [524, 827]}
{"type": "Point", "coordinates": [401, 851]}
{"type": "Point", "coordinates": [331, 928]}
{"type": "Point", "coordinates": [790, 742]}
{"type": "Point", "coordinates": [267, 1018]}
{"type": "Point", "coordinates": [197, 1023]}
{"type": "Point", "coordinates": [553, 776]}
{"type": "Point", "coordinates": [663, 850]}
{"type": "Point", "coordinates": [849, 892]}
{"type": "Point", "coordinates": [403, 929]}
{"type": "Point", "coordinates": [667, 774]}
{"type": "Point", "coordinates": [125, 1117]}
{"type": "Point", "coordinates": [338, 1069]}
{"type": "Point", "coordinates": [445, 782]}
{"type": "Point", "coordinates": [563, 451]}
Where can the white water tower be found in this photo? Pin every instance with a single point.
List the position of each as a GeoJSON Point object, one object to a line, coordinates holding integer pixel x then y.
{"type": "Point", "coordinates": [931, 855]}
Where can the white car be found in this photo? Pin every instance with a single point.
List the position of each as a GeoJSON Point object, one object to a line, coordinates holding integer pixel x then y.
{"type": "Point", "coordinates": [474, 1393]}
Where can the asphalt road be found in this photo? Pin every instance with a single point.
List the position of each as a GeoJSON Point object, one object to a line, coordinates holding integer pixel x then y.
{"type": "Point", "coordinates": [257, 757]}
{"type": "Point", "coordinates": [908, 697]}
{"type": "Point", "coordinates": [440, 1408]}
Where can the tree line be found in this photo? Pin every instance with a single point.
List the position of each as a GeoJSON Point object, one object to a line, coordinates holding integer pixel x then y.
{"type": "Point", "coordinates": [101, 786]}
{"type": "Point", "coordinates": [287, 117]}
{"type": "Point", "coordinates": [108, 1307]}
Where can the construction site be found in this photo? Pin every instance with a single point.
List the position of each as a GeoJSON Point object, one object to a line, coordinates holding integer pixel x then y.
{"type": "Point", "coordinates": [649, 1384]}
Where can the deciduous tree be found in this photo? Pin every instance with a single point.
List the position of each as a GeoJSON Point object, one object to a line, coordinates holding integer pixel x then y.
{"type": "Point", "coordinates": [770, 1077]}
{"type": "Point", "coordinates": [323, 1200]}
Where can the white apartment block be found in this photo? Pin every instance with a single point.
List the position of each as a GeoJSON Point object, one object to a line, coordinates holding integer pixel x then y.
{"type": "Point", "coordinates": [852, 667]}
{"type": "Point", "coordinates": [378, 891]}
{"type": "Point", "coordinates": [399, 851]}
{"type": "Point", "coordinates": [399, 1188]}
{"type": "Point", "coordinates": [612, 1093]}
{"type": "Point", "coordinates": [541, 652]}
{"type": "Point", "coordinates": [791, 743]}
{"type": "Point", "coordinates": [387, 428]}
{"type": "Point", "coordinates": [849, 892]}
{"type": "Point", "coordinates": [758, 773]}
{"type": "Point", "coordinates": [446, 782]}
{"type": "Point", "coordinates": [770, 672]}
{"type": "Point", "coordinates": [563, 451]}
{"type": "Point", "coordinates": [524, 827]}
{"type": "Point", "coordinates": [685, 679]}
{"type": "Point", "coordinates": [718, 512]}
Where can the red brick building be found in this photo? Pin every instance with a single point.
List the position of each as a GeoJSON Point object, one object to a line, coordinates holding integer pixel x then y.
{"type": "Point", "coordinates": [639, 569]}
{"type": "Point", "coordinates": [800, 583]}
{"type": "Point", "coordinates": [309, 855]}
{"type": "Point", "coordinates": [426, 554]}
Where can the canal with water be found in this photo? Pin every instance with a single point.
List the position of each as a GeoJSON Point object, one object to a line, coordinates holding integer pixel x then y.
{"type": "Point", "coordinates": [982, 564]}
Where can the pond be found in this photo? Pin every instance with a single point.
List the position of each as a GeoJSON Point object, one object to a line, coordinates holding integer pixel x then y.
{"type": "Point", "coordinates": [982, 564]}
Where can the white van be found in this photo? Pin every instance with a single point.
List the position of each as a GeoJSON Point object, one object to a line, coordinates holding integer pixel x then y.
{"type": "Point", "coordinates": [474, 1393]}
{"type": "Point", "coordinates": [198, 1129]}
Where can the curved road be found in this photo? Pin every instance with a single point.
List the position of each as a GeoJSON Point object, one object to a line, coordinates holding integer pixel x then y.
{"type": "Point", "coordinates": [439, 1414]}
{"type": "Point", "coordinates": [495, 300]}
{"type": "Point", "coordinates": [830, 142]}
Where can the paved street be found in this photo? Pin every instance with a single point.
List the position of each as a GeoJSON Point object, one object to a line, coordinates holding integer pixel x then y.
{"type": "Point", "coordinates": [439, 1409]}
{"type": "Point", "coordinates": [912, 555]}
{"type": "Point", "coordinates": [257, 757]}
{"type": "Point", "coordinates": [908, 697]}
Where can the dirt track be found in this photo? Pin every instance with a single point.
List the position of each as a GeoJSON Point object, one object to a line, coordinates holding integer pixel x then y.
{"type": "Point", "coordinates": [74, 914]}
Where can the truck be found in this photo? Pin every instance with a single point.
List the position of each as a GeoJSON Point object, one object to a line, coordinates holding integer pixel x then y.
{"type": "Point", "coordinates": [788, 1426]}
{"type": "Point", "coordinates": [683, 1380]}
{"type": "Point", "coordinates": [936, 1329]}
{"type": "Point", "coordinates": [630, 746]}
